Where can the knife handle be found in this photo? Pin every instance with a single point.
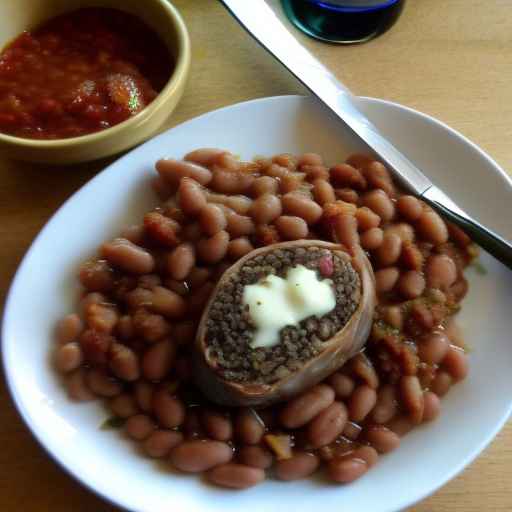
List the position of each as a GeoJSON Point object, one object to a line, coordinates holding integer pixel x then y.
{"type": "Point", "coordinates": [494, 244]}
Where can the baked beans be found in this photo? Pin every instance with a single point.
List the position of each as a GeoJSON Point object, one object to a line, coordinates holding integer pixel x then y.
{"type": "Point", "coordinates": [130, 341]}
{"type": "Point", "coordinates": [236, 476]}
{"type": "Point", "coordinates": [301, 465]}
{"type": "Point", "coordinates": [200, 455]}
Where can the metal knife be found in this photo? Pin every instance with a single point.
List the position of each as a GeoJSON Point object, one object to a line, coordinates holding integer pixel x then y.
{"type": "Point", "coordinates": [262, 23]}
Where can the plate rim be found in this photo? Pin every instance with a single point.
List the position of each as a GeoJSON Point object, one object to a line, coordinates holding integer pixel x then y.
{"type": "Point", "coordinates": [503, 174]}
{"type": "Point", "coordinates": [8, 304]}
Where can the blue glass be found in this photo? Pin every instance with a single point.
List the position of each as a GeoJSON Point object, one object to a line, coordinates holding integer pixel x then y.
{"type": "Point", "coordinates": [358, 7]}
{"type": "Point", "coordinates": [343, 21]}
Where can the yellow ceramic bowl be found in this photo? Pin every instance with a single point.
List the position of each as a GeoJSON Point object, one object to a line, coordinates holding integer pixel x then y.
{"type": "Point", "coordinates": [19, 15]}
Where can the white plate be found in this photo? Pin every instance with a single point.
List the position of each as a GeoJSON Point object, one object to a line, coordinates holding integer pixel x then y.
{"type": "Point", "coordinates": [45, 288]}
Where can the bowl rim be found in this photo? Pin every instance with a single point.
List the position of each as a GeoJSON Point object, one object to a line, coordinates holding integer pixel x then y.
{"type": "Point", "coordinates": [181, 67]}
{"type": "Point", "coordinates": [71, 471]}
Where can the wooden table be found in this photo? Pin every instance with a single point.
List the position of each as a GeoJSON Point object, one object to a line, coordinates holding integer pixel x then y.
{"type": "Point", "coordinates": [448, 58]}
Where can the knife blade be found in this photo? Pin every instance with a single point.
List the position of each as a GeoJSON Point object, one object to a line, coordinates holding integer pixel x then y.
{"type": "Point", "coordinates": [263, 24]}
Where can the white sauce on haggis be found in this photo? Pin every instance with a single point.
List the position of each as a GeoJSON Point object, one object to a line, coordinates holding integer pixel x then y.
{"type": "Point", "coordinates": [275, 302]}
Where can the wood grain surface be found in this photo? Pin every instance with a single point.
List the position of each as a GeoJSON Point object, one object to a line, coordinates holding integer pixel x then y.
{"type": "Point", "coordinates": [448, 58]}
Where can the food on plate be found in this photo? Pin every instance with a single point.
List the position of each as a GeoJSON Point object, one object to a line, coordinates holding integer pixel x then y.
{"type": "Point", "coordinates": [78, 73]}
{"type": "Point", "coordinates": [137, 334]}
{"type": "Point", "coordinates": [280, 320]}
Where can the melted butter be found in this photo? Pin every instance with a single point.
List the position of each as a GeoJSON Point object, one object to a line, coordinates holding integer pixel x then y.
{"type": "Point", "coordinates": [275, 302]}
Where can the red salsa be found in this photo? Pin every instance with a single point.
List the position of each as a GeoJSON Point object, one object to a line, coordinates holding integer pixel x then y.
{"type": "Point", "coordinates": [80, 73]}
